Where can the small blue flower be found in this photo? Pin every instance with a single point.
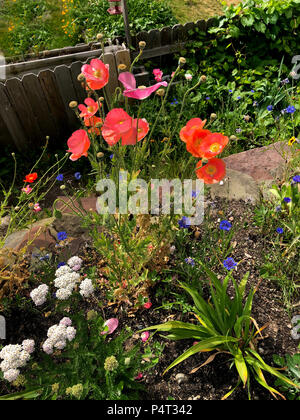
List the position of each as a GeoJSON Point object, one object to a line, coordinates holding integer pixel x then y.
{"type": "Point", "coordinates": [255, 103]}
{"type": "Point", "coordinates": [207, 98]}
{"type": "Point", "coordinates": [61, 264]}
{"type": "Point", "coordinates": [77, 175]}
{"type": "Point", "coordinates": [190, 261]}
{"type": "Point", "coordinates": [279, 230]}
{"type": "Point", "coordinates": [290, 109]}
{"type": "Point", "coordinates": [252, 91]}
{"type": "Point", "coordinates": [296, 179]}
{"type": "Point", "coordinates": [270, 108]}
{"type": "Point", "coordinates": [225, 225]}
{"type": "Point", "coordinates": [287, 199]}
{"type": "Point", "coordinates": [184, 222]}
{"type": "Point", "coordinates": [111, 156]}
{"type": "Point", "coordinates": [194, 194]}
{"type": "Point", "coordinates": [285, 81]}
{"type": "Point", "coordinates": [62, 236]}
{"type": "Point", "coordinates": [230, 91]}
{"type": "Point", "coordinates": [238, 130]}
{"type": "Point", "coordinates": [239, 97]}
{"type": "Point", "coordinates": [60, 177]}
{"type": "Point", "coordinates": [229, 264]}
{"type": "Point", "coordinates": [175, 102]}
{"type": "Point", "coordinates": [278, 208]}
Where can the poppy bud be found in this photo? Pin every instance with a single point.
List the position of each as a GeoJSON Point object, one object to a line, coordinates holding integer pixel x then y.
{"type": "Point", "coordinates": [73, 104]}
{"type": "Point", "coordinates": [142, 45]}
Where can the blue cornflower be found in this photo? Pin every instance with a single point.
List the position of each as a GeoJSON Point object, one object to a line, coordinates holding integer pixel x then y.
{"type": "Point", "coordinates": [77, 175]}
{"type": "Point", "coordinates": [207, 98]}
{"type": "Point", "coordinates": [111, 156]}
{"type": "Point", "coordinates": [285, 81]}
{"type": "Point", "coordinates": [61, 264]}
{"type": "Point", "coordinates": [290, 109]}
{"type": "Point", "coordinates": [239, 97]}
{"type": "Point", "coordinates": [60, 177]}
{"type": "Point", "coordinates": [252, 91]}
{"type": "Point", "coordinates": [278, 208]}
{"type": "Point", "coordinates": [229, 263]}
{"type": "Point", "coordinates": [296, 178]}
{"type": "Point", "coordinates": [270, 108]}
{"type": "Point", "coordinates": [225, 225]}
{"type": "Point", "coordinates": [287, 199]}
{"type": "Point", "coordinates": [190, 261]}
{"type": "Point", "coordinates": [184, 222]}
{"type": "Point", "coordinates": [62, 236]}
{"type": "Point", "coordinates": [175, 102]}
{"type": "Point", "coordinates": [279, 230]}
{"type": "Point", "coordinates": [194, 194]}
{"type": "Point", "coordinates": [230, 91]}
{"type": "Point", "coordinates": [255, 103]}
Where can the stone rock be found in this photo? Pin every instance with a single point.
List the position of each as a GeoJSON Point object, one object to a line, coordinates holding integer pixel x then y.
{"type": "Point", "coordinates": [236, 186]}
{"type": "Point", "coordinates": [263, 163]}
{"type": "Point", "coordinates": [67, 207]}
{"type": "Point", "coordinates": [181, 378]}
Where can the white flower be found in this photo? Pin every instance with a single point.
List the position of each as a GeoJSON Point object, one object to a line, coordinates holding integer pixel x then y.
{"type": "Point", "coordinates": [48, 347]}
{"type": "Point", "coordinates": [188, 76]}
{"type": "Point", "coordinates": [39, 295]}
{"type": "Point", "coordinates": [75, 262]}
{"type": "Point", "coordinates": [70, 333]}
{"type": "Point", "coordinates": [61, 271]}
{"type": "Point", "coordinates": [86, 288]}
{"type": "Point", "coordinates": [66, 322]}
{"type": "Point", "coordinates": [28, 346]}
{"type": "Point", "coordinates": [63, 294]}
{"type": "Point", "coordinates": [60, 345]}
{"type": "Point", "coordinates": [11, 375]}
{"type": "Point", "coordinates": [58, 336]}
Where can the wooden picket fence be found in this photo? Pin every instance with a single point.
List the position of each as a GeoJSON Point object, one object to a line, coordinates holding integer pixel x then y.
{"type": "Point", "coordinates": [35, 97]}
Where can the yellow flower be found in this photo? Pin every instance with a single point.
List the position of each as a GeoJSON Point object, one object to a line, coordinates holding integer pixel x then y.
{"type": "Point", "coordinates": [292, 141]}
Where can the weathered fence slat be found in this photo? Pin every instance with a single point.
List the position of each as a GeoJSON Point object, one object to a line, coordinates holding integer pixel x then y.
{"type": "Point", "coordinates": [67, 91]}
{"type": "Point", "coordinates": [39, 106]}
{"type": "Point", "coordinates": [55, 103]}
{"type": "Point", "coordinates": [11, 120]}
{"type": "Point", "coordinates": [22, 106]}
{"type": "Point", "coordinates": [75, 71]}
{"type": "Point", "coordinates": [110, 88]}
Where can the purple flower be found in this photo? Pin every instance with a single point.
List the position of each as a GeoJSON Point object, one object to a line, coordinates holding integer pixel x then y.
{"type": "Point", "coordinates": [225, 225]}
{"type": "Point", "coordinates": [279, 230]}
{"type": "Point", "coordinates": [190, 261]}
{"type": "Point", "coordinates": [77, 175]}
{"type": "Point", "coordinates": [62, 236]}
{"type": "Point", "coordinates": [278, 208]}
{"type": "Point", "coordinates": [60, 177]}
{"type": "Point", "coordinates": [238, 130]}
{"type": "Point", "coordinates": [296, 179]}
{"type": "Point", "coordinates": [184, 222]}
{"type": "Point", "coordinates": [111, 156]}
{"type": "Point", "coordinates": [229, 263]}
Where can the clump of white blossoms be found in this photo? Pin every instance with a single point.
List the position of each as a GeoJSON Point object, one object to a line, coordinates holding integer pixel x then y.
{"type": "Point", "coordinates": [39, 295]}
{"type": "Point", "coordinates": [86, 288]}
{"type": "Point", "coordinates": [15, 357]}
{"type": "Point", "coordinates": [65, 282]}
{"type": "Point", "coordinates": [58, 335]}
{"type": "Point", "coordinates": [75, 263]}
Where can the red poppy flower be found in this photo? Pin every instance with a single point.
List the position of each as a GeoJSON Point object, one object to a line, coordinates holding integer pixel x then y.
{"type": "Point", "coordinates": [187, 131]}
{"type": "Point", "coordinates": [193, 142]}
{"type": "Point", "coordinates": [91, 122]}
{"type": "Point", "coordinates": [209, 146]}
{"type": "Point", "coordinates": [31, 177]}
{"type": "Point", "coordinates": [211, 173]}
{"type": "Point", "coordinates": [79, 144]}
{"type": "Point", "coordinates": [90, 109]}
{"type": "Point", "coordinates": [96, 74]}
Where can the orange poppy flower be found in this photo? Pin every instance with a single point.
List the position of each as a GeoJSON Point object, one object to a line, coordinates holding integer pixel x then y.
{"type": "Point", "coordinates": [187, 131]}
{"type": "Point", "coordinates": [31, 177]}
{"type": "Point", "coordinates": [79, 144]}
{"type": "Point", "coordinates": [96, 74]}
{"type": "Point", "coordinates": [193, 142]}
{"type": "Point", "coordinates": [91, 122]}
{"type": "Point", "coordinates": [211, 173]}
{"type": "Point", "coordinates": [209, 146]}
{"type": "Point", "coordinates": [90, 109]}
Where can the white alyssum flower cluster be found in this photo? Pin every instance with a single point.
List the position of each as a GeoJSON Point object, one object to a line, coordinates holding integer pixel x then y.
{"type": "Point", "coordinates": [75, 263]}
{"type": "Point", "coordinates": [86, 288]}
{"type": "Point", "coordinates": [65, 281]}
{"type": "Point", "coordinates": [58, 335]}
{"type": "Point", "coordinates": [39, 295]}
{"type": "Point", "coordinates": [15, 357]}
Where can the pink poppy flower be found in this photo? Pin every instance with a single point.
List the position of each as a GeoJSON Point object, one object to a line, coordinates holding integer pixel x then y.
{"type": "Point", "coordinates": [112, 325]}
{"type": "Point", "coordinates": [145, 336]}
{"type": "Point", "coordinates": [79, 144]}
{"type": "Point", "coordinates": [90, 109]}
{"type": "Point", "coordinates": [96, 74]}
{"type": "Point", "coordinates": [37, 208]}
{"type": "Point", "coordinates": [118, 120]}
{"type": "Point", "coordinates": [158, 74]}
{"type": "Point", "coordinates": [131, 91]}
{"type": "Point", "coordinates": [27, 190]}
{"type": "Point", "coordinates": [148, 305]}
{"type": "Point", "coordinates": [138, 131]}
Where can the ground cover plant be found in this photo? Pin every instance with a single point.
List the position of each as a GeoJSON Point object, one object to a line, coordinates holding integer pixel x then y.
{"type": "Point", "coordinates": [86, 314]}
